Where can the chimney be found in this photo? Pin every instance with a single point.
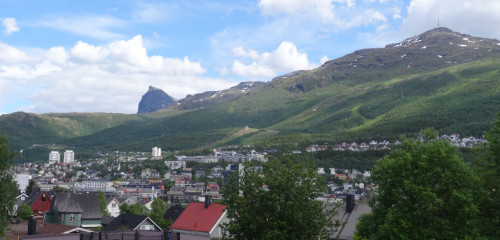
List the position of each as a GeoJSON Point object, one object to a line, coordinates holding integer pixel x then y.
{"type": "Point", "coordinates": [31, 225]}
{"type": "Point", "coordinates": [207, 201]}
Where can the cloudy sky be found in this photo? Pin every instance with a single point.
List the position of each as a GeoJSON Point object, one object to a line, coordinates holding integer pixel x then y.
{"type": "Point", "coordinates": [101, 56]}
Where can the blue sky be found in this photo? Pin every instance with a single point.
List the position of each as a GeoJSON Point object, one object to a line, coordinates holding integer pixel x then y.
{"type": "Point", "coordinates": [101, 56]}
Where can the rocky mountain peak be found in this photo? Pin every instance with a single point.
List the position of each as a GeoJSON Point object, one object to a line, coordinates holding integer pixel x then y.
{"type": "Point", "coordinates": [151, 88]}
{"type": "Point", "coordinates": [444, 36]}
{"type": "Point", "coordinates": [154, 100]}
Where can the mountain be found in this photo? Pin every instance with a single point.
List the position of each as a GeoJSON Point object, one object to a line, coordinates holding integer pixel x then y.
{"type": "Point", "coordinates": [154, 100]}
{"type": "Point", "coordinates": [216, 97]}
{"type": "Point", "coordinates": [440, 78]}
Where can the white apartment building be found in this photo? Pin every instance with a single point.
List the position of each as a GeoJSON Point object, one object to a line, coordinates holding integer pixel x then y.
{"type": "Point", "coordinates": [175, 164]}
{"type": "Point", "coordinates": [96, 184]}
{"type": "Point", "coordinates": [69, 156]}
{"type": "Point", "coordinates": [156, 152]}
{"type": "Point", "coordinates": [54, 157]}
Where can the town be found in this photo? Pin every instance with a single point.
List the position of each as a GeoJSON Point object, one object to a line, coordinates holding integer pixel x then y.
{"type": "Point", "coordinates": [181, 182]}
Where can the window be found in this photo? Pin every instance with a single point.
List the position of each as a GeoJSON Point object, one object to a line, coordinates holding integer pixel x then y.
{"type": "Point", "coordinates": [113, 205]}
{"type": "Point", "coordinates": [147, 227]}
{"type": "Point", "coordinates": [44, 198]}
{"type": "Point", "coordinates": [72, 217]}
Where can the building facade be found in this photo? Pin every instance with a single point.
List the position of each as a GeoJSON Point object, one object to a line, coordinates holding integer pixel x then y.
{"type": "Point", "coordinates": [54, 157]}
{"type": "Point", "coordinates": [156, 152]}
{"type": "Point", "coordinates": [69, 156]}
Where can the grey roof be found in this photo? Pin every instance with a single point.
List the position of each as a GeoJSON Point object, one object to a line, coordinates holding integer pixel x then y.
{"type": "Point", "coordinates": [85, 203]}
{"type": "Point", "coordinates": [128, 221]}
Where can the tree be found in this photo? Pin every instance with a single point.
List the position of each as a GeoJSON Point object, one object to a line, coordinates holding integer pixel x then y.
{"type": "Point", "coordinates": [8, 187]}
{"type": "Point", "coordinates": [24, 212]}
{"type": "Point", "coordinates": [32, 187]}
{"type": "Point", "coordinates": [101, 196]}
{"type": "Point", "coordinates": [487, 168]}
{"type": "Point", "coordinates": [60, 189]}
{"type": "Point", "coordinates": [135, 208]}
{"type": "Point", "coordinates": [158, 209]}
{"type": "Point", "coordinates": [276, 201]}
{"type": "Point", "coordinates": [425, 191]}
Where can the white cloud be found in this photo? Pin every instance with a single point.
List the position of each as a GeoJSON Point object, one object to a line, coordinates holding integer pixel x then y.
{"type": "Point", "coordinates": [57, 55]}
{"type": "Point", "coordinates": [474, 17]}
{"type": "Point", "coordinates": [342, 14]}
{"type": "Point", "coordinates": [132, 57]}
{"type": "Point", "coordinates": [151, 12]}
{"type": "Point", "coordinates": [321, 8]}
{"type": "Point", "coordinates": [240, 52]}
{"type": "Point", "coordinates": [285, 58]}
{"type": "Point", "coordinates": [86, 52]}
{"type": "Point", "coordinates": [10, 25]}
{"type": "Point", "coordinates": [109, 78]}
{"type": "Point", "coordinates": [323, 60]}
{"type": "Point", "coordinates": [252, 70]}
{"type": "Point", "coordinates": [93, 26]}
{"type": "Point", "coordinates": [396, 13]}
{"type": "Point", "coordinates": [10, 54]}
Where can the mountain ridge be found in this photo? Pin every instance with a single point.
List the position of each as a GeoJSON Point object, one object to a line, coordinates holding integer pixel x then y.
{"type": "Point", "coordinates": [376, 93]}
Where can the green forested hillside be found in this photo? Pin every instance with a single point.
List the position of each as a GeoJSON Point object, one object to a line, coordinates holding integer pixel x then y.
{"type": "Point", "coordinates": [430, 80]}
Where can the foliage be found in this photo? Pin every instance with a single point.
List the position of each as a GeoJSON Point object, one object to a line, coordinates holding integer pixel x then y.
{"type": "Point", "coordinates": [135, 208]}
{"type": "Point", "coordinates": [158, 209]}
{"type": "Point", "coordinates": [60, 189]}
{"type": "Point", "coordinates": [24, 212]}
{"type": "Point", "coordinates": [8, 187]}
{"type": "Point", "coordinates": [32, 187]}
{"type": "Point", "coordinates": [425, 191]}
{"type": "Point", "coordinates": [487, 168]}
{"type": "Point", "coordinates": [334, 105]}
{"type": "Point", "coordinates": [101, 196]}
{"type": "Point", "coordinates": [276, 202]}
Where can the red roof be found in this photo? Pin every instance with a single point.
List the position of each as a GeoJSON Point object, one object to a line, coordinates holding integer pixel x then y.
{"type": "Point", "coordinates": [198, 218]}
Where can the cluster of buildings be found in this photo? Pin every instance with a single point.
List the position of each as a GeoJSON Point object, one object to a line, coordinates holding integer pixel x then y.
{"type": "Point", "coordinates": [372, 145]}
{"type": "Point", "coordinates": [68, 215]}
{"type": "Point", "coordinates": [466, 142]}
{"type": "Point", "coordinates": [454, 139]}
{"type": "Point", "coordinates": [190, 192]}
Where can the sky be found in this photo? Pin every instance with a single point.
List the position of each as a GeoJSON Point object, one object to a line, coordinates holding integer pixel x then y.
{"type": "Point", "coordinates": [101, 56]}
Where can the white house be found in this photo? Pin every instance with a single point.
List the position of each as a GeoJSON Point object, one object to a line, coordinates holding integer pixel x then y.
{"type": "Point", "coordinates": [188, 225]}
{"type": "Point", "coordinates": [113, 207]}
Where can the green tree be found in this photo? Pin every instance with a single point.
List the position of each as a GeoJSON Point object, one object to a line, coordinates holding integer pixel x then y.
{"type": "Point", "coordinates": [135, 208]}
{"type": "Point", "coordinates": [425, 191]}
{"type": "Point", "coordinates": [277, 202]}
{"type": "Point", "coordinates": [24, 212]}
{"type": "Point", "coordinates": [101, 196]}
{"type": "Point", "coordinates": [158, 209]}
{"type": "Point", "coordinates": [32, 187]}
{"type": "Point", "coordinates": [60, 189]}
{"type": "Point", "coordinates": [487, 168]}
{"type": "Point", "coordinates": [8, 187]}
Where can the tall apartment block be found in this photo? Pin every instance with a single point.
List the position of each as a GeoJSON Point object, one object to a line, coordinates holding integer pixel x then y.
{"type": "Point", "coordinates": [156, 152]}
{"type": "Point", "coordinates": [54, 157]}
{"type": "Point", "coordinates": [69, 156]}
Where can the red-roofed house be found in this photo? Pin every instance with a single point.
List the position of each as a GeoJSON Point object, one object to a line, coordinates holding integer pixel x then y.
{"type": "Point", "coordinates": [200, 221]}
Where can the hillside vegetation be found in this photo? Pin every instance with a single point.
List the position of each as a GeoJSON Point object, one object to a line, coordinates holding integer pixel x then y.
{"type": "Point", "coordinates": [439, 79]}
